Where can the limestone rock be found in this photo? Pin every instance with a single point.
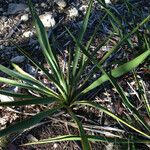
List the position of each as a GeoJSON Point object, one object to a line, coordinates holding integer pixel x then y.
{"type": "Point", "coordinates": [4, 98]}
{"type": "Point", "coordinates": [47, 19]}
{"type": "Point", "coordinates": [61, 3]}
{"type": "Point", "coordinates": [73, 12]}
{"type": "Point", "coordinates": [25, 17]}
{"type": "Point", "coordinates": [28, 34]}
{"type": "Point", "coordinates": [14, 8]}
{"type": "Point", "coordinates": [18, 59]}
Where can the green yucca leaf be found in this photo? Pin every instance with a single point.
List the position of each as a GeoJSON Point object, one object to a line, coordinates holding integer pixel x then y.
{"type": "Point", "coordinates": [92, 138]}
{"type": "Point", "coordinates": [116, 20]}
{"type": "Point", "coordinates": [82, 31]}
{"type": "Point", "coordinates": [146, 42]}
{"type": "Point", "coordinates": [84, 140]}
{"type": "Point", "coordinates": [25, 77]}
{"type": "Point", "coordinates": [127, 102]}
{"type": "Point", "coordinates": [127, 36]}
{"type": "Point", "coordinates": [28, 102]}
{"type": "Point", "coordinates": [28, 122]}
{"type": "Point", "coordinates": [38, 83]}
{"type": "Point", "coordinates": [119, 71]}
{"type": "Point", "coordinates": [17, 95]}
{"type": "Point", "coordinates": [85, 60]}
{"type": "Point", "coordinates": [27, 86]}
{"type": "Point", "coordinates": [103, 109]}
{"type": "Point", "coordinates": [123, 69]}
{"type": "Point", "coordinates": [48, 75]}
{"type": "Point", "coordinates": [43, 38]}
{"type": "Point", "coordinates": [47, 51]}
{"type": "Point", "coordinates": [67, 84]}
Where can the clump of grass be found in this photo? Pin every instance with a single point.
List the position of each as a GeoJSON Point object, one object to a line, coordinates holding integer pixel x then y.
{"type": "Point", "coordinates": [70, 93]}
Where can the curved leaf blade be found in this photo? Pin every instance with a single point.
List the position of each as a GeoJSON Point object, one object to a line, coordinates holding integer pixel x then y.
{"type": "Point", "coordinates": [103, 109]}
{"type": "Point", "coordinates": [25, 77]}
{"type": "Point", "coordinates": [92, 138]}
{"type": "Point", "coordinates": [44, 42]}
{"type": "Point", "coordinates": [82, 31]}
{"type": "Point", "coordinates": [119, 71]}
{"type": "Point", "coordinates": [48, 75]}
{"type": "Point", "coordinates": [127, 102]}
{"type": "Point", "coordinates": [17, 95]}
{"type": "Point", "coordinates": [34, 101]}
{"type": "Point", "coordinates": [26, 86]}
{"type": "Point", "coordinates": [27, 122]}
{"type": "Point", "coordinates": [84, 140]}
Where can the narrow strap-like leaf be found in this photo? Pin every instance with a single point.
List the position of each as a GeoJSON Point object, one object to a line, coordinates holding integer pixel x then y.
{"type": "Point", "coordinates": [25, 77]}
{"type": "Point", "coordinates": [28, 102]}
{"type": "Point", "coordinates": [25, 124]}
{"type": "Point", "coordinates": [17, 95]}
{"type": "Point", "coordinates": [103, 109]}
{"type": "Point", "coordinates": [115, 72]}
{"type": "Point", "coordinates": [92, 138]}
{"type": "Point", "coordinates": [48, 75]}
{"type": "Point", "coordinates": [85, 60]}
{"type": "Point", "coordinates": [44, 42]}
{"type": "Point", "coordinates": [115, 48]}
{"type": "Point", "coordinates": [26, 86]}
{"type": "Point", "coordinates": [82, 31]}
{"type": "Point", "coordinates": [119, 71]}
{"type": "Point", "coordinates": [126, 101]}
{"type": "Point", "coordinates": [84, 140]}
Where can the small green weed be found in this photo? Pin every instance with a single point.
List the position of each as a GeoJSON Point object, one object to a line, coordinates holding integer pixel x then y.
{"type": "Point", "coordinates": [69, 92]}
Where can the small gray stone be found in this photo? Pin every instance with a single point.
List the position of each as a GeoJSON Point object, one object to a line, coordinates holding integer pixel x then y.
{"type": "Point", "coordinates": [25, 17]}
{"type": "Point", "coordinates": [28, 34]}
{"type": "Point", "coordinates": [61, 3]}
{"type": "Point", "coordinates": [4, 98]}
{"type": "Point", "coordinates": [108, 1]}
{"type": "Point", "coordinates": [30, 69]}
{"type": "Point", "coordinates": [14, 8]}
{"type": "Point", "coordinates": [83, 9]}
{"type": "Point", "coordinates": [31, 138]}
{"type": "Point", "coordinates": [1, 9]}
{"type": "Point", "coordinates": [18, 59]}
{"type": "Point", "coordinates": [14, 89]}
{"type": "Point", "coordinates": [47, 19]}
{"type": "Point", "coordinates": [44, 5]}
{"type": "Point", "coordinates": [73, 12]}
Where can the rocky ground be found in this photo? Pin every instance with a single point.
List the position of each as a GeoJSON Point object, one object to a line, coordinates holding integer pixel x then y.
{"type": "Point", "coordinates": [16, 25]}
{"type": "Point", "coordinates": [16, 22]}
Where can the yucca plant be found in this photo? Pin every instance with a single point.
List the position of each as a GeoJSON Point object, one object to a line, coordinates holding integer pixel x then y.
{"type": "Point", "coordinates": [70, 86]}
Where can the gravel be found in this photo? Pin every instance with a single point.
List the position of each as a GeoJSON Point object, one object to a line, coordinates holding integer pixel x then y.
{"type": "Point", "coordinates": [61, 3]}
{"type": "Point", "coordinates": [4, 98]}
{"type": "Point", "coordinates": [14, 8]}
{"type": "Point", "coordinates": [16, 23]}
{"type": "Point", "coordinates": [25, 17]}
{"type": "Point", "coordinates": [28, 34]}
{"type": "Point", "coordinates": [73, 12]}
{"type": "Point", "coordinates": [18, 59]}
{"type": "Point", "coordinates": [47, 19]}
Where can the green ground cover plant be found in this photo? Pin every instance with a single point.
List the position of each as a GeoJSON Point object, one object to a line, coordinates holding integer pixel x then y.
{"type": "Point", "coordinates": [71, 87]}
